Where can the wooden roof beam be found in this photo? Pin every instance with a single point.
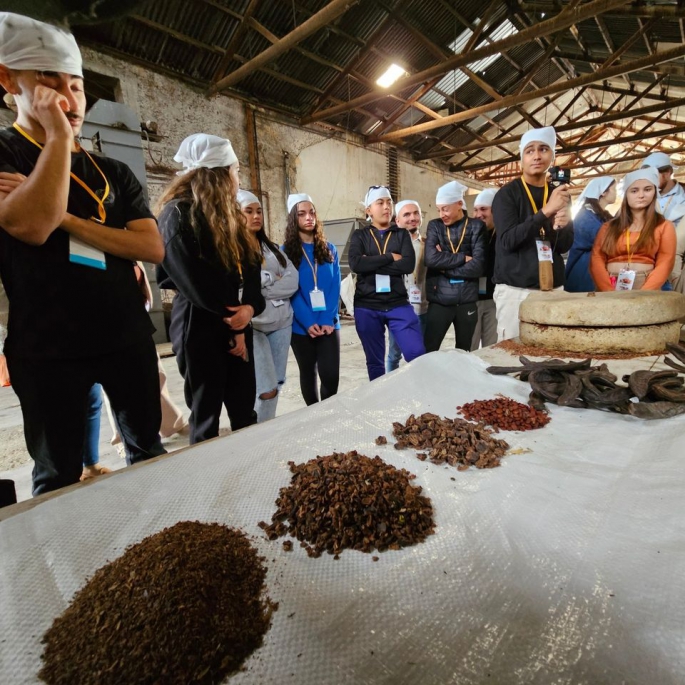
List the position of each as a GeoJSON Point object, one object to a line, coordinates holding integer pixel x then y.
{"type": "Point", "coordinates": [640, 10]}
{"type": "Point", "coordinates": [559, 86]}
{"type": "Point", "coordinates": [579, 124]}
{"type": "Point", "coordinates": [328, 14]}
{"type": "Point", "coordinates": [586, 146]}
{"type": "Point", "coordinates": [546, 27]}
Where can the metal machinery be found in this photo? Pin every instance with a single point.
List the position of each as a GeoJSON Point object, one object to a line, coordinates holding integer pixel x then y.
{"type": "Point", "coordinates": [339, 232]}
{"type": "Point", "coordinates": [113, 130]}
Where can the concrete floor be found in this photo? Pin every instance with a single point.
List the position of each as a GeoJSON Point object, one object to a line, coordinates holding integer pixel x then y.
{"type": "Point", "coordinates": [16, 464]}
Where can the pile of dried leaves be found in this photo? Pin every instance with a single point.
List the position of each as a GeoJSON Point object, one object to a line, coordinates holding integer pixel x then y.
{"type": "Point", "coordinates": [182, 606]}
{"type": "Point", "coordinates": [660, 394]}
{"type": "Point", "coordinates": [349, 501]}
{"type": "Point", "coordinates": [454, 441]}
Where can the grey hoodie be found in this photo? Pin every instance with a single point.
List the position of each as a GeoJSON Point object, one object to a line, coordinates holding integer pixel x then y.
{"type": "Point", "coordinates": [278, 284]}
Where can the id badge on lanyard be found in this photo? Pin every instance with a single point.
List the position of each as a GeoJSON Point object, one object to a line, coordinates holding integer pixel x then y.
{"type": "Point", "coordinates": [414, 294]}
{"type": "Point", "coordinates": [382, 283]}
{"type": "Point", "coordinates": [626, 279]}
{"type": "Point", "coordinates": [544, 250]}
{"type": "Point", "coordinates": [318, 300]}
{"type": "Point", "coordinates": [86, 255]}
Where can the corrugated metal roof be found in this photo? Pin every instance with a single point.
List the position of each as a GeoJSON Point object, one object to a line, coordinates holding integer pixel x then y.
{"type": "Point", "coordinates": [190, 38]}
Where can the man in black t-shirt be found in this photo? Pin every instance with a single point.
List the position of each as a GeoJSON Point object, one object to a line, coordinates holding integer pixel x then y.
{"type": "Point", "coordinates": [533, 221]}
{"type": "Point", "coordinates": [76, 316]}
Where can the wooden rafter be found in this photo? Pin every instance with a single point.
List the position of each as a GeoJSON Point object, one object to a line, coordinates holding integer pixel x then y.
{"type": "Point", "coordinates": [544, 28]}
{"type": "Point", "coordinates": [584, 80]}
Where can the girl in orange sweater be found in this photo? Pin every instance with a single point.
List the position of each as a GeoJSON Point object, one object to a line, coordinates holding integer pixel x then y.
{"type": "Point", "coordinates": [636, 250]}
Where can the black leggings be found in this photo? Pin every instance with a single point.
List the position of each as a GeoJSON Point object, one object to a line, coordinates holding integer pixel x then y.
{"type": "Point", "coordinates": [440, 317]}
{"type": "Point", "coordinates": [320, 354]}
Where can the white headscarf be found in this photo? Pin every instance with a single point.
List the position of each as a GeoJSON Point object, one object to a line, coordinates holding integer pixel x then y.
{"type": "Point", "coordinates": [649, 174]}
{"type": "Point", "coordinates": [26, 43]}
{"type": "Point", "coordinates": [404, 203]}
{"type": "Point", "coordinates": [296, 198]}
{"type": "Point", "coordinates": [595, 189]}
{"type": "Point", "coordinates": [546, 135]}
{"type": "Point", "coordinates": [374, 194]}
{"type": "Point", "coordinates": [205, 150]}
{"type": "Point", "coordinates": [485, 197]}
{"type": "Point", "coordinates": [658, 160]}
{"type": "Point", "coordinates": [450, 193]}
{"type": "Point", "coordinates": [245, 198]}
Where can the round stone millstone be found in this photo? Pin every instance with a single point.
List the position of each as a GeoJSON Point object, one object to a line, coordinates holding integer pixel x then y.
{"type": "Point", "coordinates": [589, 340]}
{"type": "Point", "coordinates": [609, 309]}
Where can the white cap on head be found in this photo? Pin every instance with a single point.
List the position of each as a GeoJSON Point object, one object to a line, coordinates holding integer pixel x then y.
{"type": "Point", "coordinates": [597, 187]}
{"type": "Point", "coordinates": [296, 198]}
{"type": "Point", "coordinates": [376, 193]}
{"type": "Point", "coordinates": [645, 174]}
{"type": "Point", "coordinates": [205, 150]}
{"type": "Point", "coordinates": [485, 197]}
{"type": "Point", "coordinates": [450, 193]}
{"type": "Point", "coordinates": [26, 43]}
{"type": "Point", "coordinates": [657, 160]}
{"type": "Point", "coordinates": [404, 203]}
{"type": "Point", "coordinates": [245, 197]}
{"type": "Point", "coordinates": [594, 190]}
{"type": "Point", "coordinates": [546, 135]}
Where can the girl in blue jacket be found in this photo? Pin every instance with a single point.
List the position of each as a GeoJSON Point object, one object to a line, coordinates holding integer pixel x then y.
{"type": "Point", "coordinates": [316, 326]}
{"type": "Point", "coordinates": [598, 194]}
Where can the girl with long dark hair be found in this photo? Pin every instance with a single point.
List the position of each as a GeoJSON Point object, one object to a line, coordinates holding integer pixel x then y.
{"type": "Point", "coordinates": [593, 201]}
{"type": "Point", "coordinates": [213, 264]}
{"type": "Point", "coordinates": [636, 250]}
{"type": "Point", "coordinates": [316, 326]}
{"type": "Point", "coordinates": [272, 329]}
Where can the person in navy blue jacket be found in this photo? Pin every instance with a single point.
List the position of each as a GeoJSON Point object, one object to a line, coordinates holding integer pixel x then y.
{"type": "Point", "coordinates": [381, 254]}
{"type": "Point", "coordinates": [316, 325]}
{"type": "Point", "coordinates": [593, 201]}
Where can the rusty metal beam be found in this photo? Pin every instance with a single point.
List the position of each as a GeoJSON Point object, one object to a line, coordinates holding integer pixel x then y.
{"type": "Point", "coordinates": [511, 100]}
{"type": "Point", "coordinates": [546, 27]}
{"type": "Point", "coordinates": [329, 13]}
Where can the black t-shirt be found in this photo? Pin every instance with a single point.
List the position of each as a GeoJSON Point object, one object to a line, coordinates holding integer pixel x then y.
{"type": "Point", "coordinates": [63, 310]}
{"type": "Point", "coordinates": [518, 227]}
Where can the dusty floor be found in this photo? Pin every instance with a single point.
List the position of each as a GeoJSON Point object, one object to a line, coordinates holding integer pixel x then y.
{"type": "Point", "coordinates": [16, 464]}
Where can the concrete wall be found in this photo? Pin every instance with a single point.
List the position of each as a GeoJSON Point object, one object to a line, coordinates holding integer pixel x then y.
{"type": "Point", "coordinates": [336, 172]}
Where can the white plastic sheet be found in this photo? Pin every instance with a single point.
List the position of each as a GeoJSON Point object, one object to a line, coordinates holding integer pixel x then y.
{"type": "Point", "coordinates": [564, 566]}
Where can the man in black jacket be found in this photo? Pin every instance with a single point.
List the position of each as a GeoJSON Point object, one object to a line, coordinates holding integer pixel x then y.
{"type": "Point", "coordinates": [381, 254]}
{"type": "Point", "coordinates": [455, 257]}
{"type": "Point", "coordinates": [486, 328]}
{"type": "Point", "coordinates": [533, 220]}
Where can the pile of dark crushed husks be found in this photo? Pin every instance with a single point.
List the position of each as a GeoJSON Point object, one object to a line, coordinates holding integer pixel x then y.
{"type": "Point", "coordinates": [349, 501]}
{"type": "Point", "coordinates": [503, 413]}
{"type": "Point", "coordinates": [182, 606]}
{"type": "Point", "coordinates": [453, 441]}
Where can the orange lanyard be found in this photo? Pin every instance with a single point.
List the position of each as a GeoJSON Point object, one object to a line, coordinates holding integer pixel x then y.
{"type": "Point", "coordinates": [628, 244]}
{"type": "Point", "coordinates": [378, 245]}
{"type": "Point", "coordinates": [314, 267]}
{"type": "Point", "coordinates": [532, 202]}
{"type": "Point", "coordinates": [102, 213]}
{"type": "Point", "coordinates": [461, 240]}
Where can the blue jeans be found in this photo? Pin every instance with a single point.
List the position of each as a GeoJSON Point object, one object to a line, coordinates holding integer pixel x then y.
{"type": "Point", "coordinates": [91, 440]}
{"type": "Point", "coordinates": [270, 359]}
{"type": "Point", "coordinates": [392, 361]}
{"type": "Point", "coordinates": [402, 323]}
